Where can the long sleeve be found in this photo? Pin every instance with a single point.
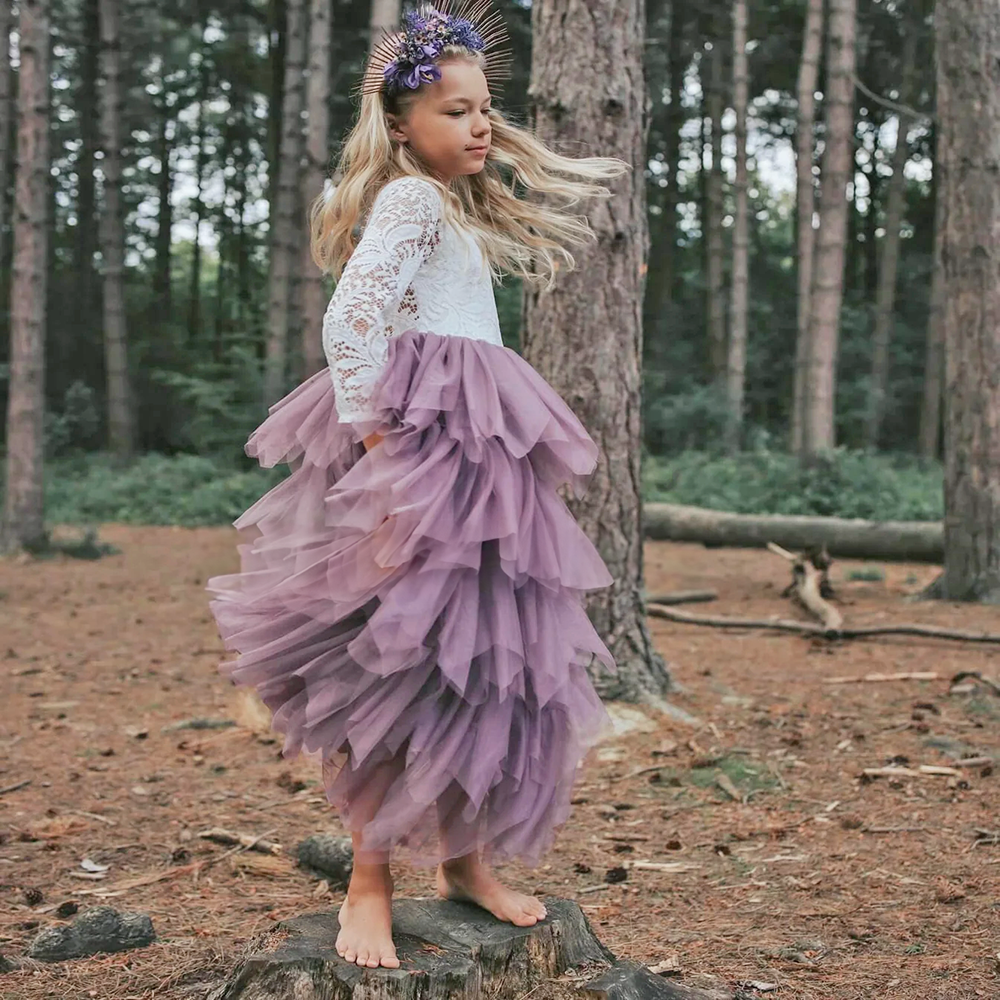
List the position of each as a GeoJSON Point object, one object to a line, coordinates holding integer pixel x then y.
{"type": "Point", "coordinates": [401, 233]}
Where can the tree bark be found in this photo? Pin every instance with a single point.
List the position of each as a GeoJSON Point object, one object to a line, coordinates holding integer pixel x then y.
{"type": "Point", "coordinates": [715, 306]}
{"type": "Point", "coordinates": [854, 538]}
{"type": "Point", "coordinates": [737, 350]}
{"type": "Point", "coordinates": [162, 266]}
{"type": "Point", "coordinates": [121, 435]}
{"type": "Point", "coordinates": [384, 15]}
{"type": "Point", "coordinates": [828, 263]}
{"type": "Point", "coordinates": [885, 296]}
{"type": "Point", "coordinates": [284, 224]}
{"type": "Point", "coordinates": [23, 520]}
{"type": "Point", "coordinates": [314, 285]}
{"type": "Point", "coordinates": [931, 404]}
{"type": "Point", "coordinates": [968, 94]}
{"type": "Point", "coordinates": [442, 947]}
{"type": "Point", "coordinates": [6, 116]}
{"type": "Point", "coordinates": [194, 287]}
{"type": "Point", "coordinates": [585, 336]}
{"type": "Point", "coordinates": [672, 150]}
{"type": "Point", "coordinates": [87, 223]}
{"type": "Point", "coordinates": [805, 206]}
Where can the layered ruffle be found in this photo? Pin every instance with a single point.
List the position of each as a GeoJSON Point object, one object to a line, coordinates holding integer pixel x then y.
{"type": "Point", "coordinates": [415, 612]}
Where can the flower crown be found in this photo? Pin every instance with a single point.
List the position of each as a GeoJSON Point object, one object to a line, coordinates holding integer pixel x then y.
{"type": "Point", "coordinates": [405, 57]}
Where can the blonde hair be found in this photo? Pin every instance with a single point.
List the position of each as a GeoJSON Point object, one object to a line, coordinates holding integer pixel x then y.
{"type": "Point", "coordinates": [513, 233]}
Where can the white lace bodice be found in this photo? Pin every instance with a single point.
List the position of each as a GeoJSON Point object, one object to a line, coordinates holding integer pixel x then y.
{"type": "Point", "coordinates": [410, 269]}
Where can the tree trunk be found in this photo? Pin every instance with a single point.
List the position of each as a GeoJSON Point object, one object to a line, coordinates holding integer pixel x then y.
{"type": "Point", "coordinates": [87, 223]}
{"type": "Point", "coordinates": [737, 353]}
{"type": "Point", "coordinates": [585, 336]}
{"type": "Point", "coordinates": [277, 22]}
{"type": "Point", "coordinates": [828, 263]}
{"type": "Point", "coordinates": [446, 959]}
{"type": "Point", "coordinates": [162, 269]}
{"type": "Point", "coordinates": [6, 116]}
{"type": "Point", "coordinates": [314, 285]}
{"type": "Point", "coordinates": [23, 522]}
{"type": "Point", "coordinates": [284, 223]}
{"type": "Point", "coordinates": [930, 409]}
{"type": "Point", "coordinates": [715, 306]}
{"type": "Point", "coordinates": [852, 538]}
{"type": "Point", "coordinates": [672, 150]}
{"type": "Point", "coordinates": [194, 288]}
{"type": "Point", "coordinates": [121, 435]}
{"type": "Point", "coordinates": [968, 102]}
{"type": "Point", "coordinates": [384, 15]}
{"type": "Point", "coordinates": [806, 206]}
{"type": "Point", "coordinates": [885, 296]}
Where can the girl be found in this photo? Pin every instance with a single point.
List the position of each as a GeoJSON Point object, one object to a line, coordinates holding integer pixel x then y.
{"type": "Point", "coordinates": [410, 598]}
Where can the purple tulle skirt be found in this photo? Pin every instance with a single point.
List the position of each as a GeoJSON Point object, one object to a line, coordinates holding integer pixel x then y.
{"type": "Point", "coordinates": [414, 613]}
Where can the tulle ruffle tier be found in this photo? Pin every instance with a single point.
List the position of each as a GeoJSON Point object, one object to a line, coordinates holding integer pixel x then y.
{"type": "Point", "coordinates": [415, 612]}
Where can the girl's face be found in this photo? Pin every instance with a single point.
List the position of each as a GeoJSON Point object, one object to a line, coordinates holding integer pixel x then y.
{"type": "Point", "coordinates": [448, 124]}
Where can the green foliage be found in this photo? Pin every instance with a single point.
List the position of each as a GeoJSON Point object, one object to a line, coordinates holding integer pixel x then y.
{"type": "Point", "coordinates": [221, 402]}
{"type": "Point", "coordinates": [75, 427]}
{"type": "Point", "coordinates": [694, 420]}
{"type": "Point", "coordinates": [85, 546]}
{"type": "Point", "coordinates": [186, 490]}
{"type": "Point", "coordinates": [868, 574]}
{"type": "Point", "coordinates": [838, 484]}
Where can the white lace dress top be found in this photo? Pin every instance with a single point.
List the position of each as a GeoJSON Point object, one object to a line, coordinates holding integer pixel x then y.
{"type": "Point", "coordinates": [410, 269]}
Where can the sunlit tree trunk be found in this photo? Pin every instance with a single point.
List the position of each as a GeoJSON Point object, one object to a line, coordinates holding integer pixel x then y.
{"type": "Point", "coordinates": [737, 348]}
{"type": "Point", "coordinates": [585, 336]}
{"type": "Point", "coordinates": [23, 514]}
{"type": "Point", "coordinates": [715, 306]}
{"type": "Point", "coordinates": [315, 291]}
{"type": "Point", "coordinates": [968, 114]}
{"type": "Point", "coordinates": [828, 263]}
{"type": "Point", "coordinates": [121, 435]}
{"type": "Point", "coordinates": [805, 205]}
{"type": "Point", "coordinates": [284, 224]}
{"type": "Point", "coordinates": [885, 298]}
{"type": "Point", "coordinates": [384, 14]}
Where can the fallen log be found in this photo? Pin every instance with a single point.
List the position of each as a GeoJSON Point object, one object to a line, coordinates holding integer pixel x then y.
{"type": "Point", "coordinates": [447, 951]}
{"type": "Point", "coordinates": [890, 541]}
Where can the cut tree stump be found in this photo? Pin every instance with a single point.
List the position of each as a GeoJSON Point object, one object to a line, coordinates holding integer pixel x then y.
{"type": "Point", "coordinates": [447, 951]}
{"type": "Point", "coordinates": [889, 541]}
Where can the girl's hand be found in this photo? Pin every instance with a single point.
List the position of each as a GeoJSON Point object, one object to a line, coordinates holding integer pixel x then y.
{"type": "Point", "coordinates": [373, 439]}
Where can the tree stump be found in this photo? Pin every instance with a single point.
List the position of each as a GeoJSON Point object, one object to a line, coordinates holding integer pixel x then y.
{"type": "Point", "coordinates": [447, 951]}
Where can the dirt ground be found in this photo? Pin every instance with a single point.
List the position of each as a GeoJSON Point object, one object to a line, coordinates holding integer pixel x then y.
{"type": "Point", "coordinates": [812, 879]}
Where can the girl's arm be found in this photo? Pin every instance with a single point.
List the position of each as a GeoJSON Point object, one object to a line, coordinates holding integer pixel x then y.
{"type": "Point", "coordinates": [400, 234]}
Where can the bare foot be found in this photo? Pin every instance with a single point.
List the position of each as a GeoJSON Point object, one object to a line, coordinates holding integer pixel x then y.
{"type": "Point", "coordinates": [365, 917]}
{"type": "Point", "coordinates": [468, 879]}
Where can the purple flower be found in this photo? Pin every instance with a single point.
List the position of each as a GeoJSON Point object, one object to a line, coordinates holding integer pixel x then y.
{"type": "Point", "coordinates": [424, 36]}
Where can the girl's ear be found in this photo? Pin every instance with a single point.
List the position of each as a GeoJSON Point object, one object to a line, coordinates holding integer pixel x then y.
{"type": "Point", "coordinates": [392, 123]}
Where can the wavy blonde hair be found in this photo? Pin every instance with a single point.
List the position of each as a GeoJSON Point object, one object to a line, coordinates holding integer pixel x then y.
{"type": "Point", "coordinates": [516, 236]}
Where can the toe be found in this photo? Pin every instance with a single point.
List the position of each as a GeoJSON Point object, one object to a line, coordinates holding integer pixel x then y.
{"type": "Point", "coordinates": [389, 960]}
{"type": "Point", "coordinates": [362, 958]}
{"type": "Point", "coordinates": [349, 954]}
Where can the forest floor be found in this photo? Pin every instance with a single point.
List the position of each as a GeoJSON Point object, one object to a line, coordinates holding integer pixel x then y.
{"type": "Point", "coordinates": [815, 880]}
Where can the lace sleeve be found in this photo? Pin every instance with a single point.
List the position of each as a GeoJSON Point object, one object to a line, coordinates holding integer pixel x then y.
{"type": "Point", "coordinates": [400, 234]}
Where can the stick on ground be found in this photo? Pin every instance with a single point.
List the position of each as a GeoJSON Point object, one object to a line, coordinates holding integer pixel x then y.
{"type": "Point", "coordinates": [807, 628]}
